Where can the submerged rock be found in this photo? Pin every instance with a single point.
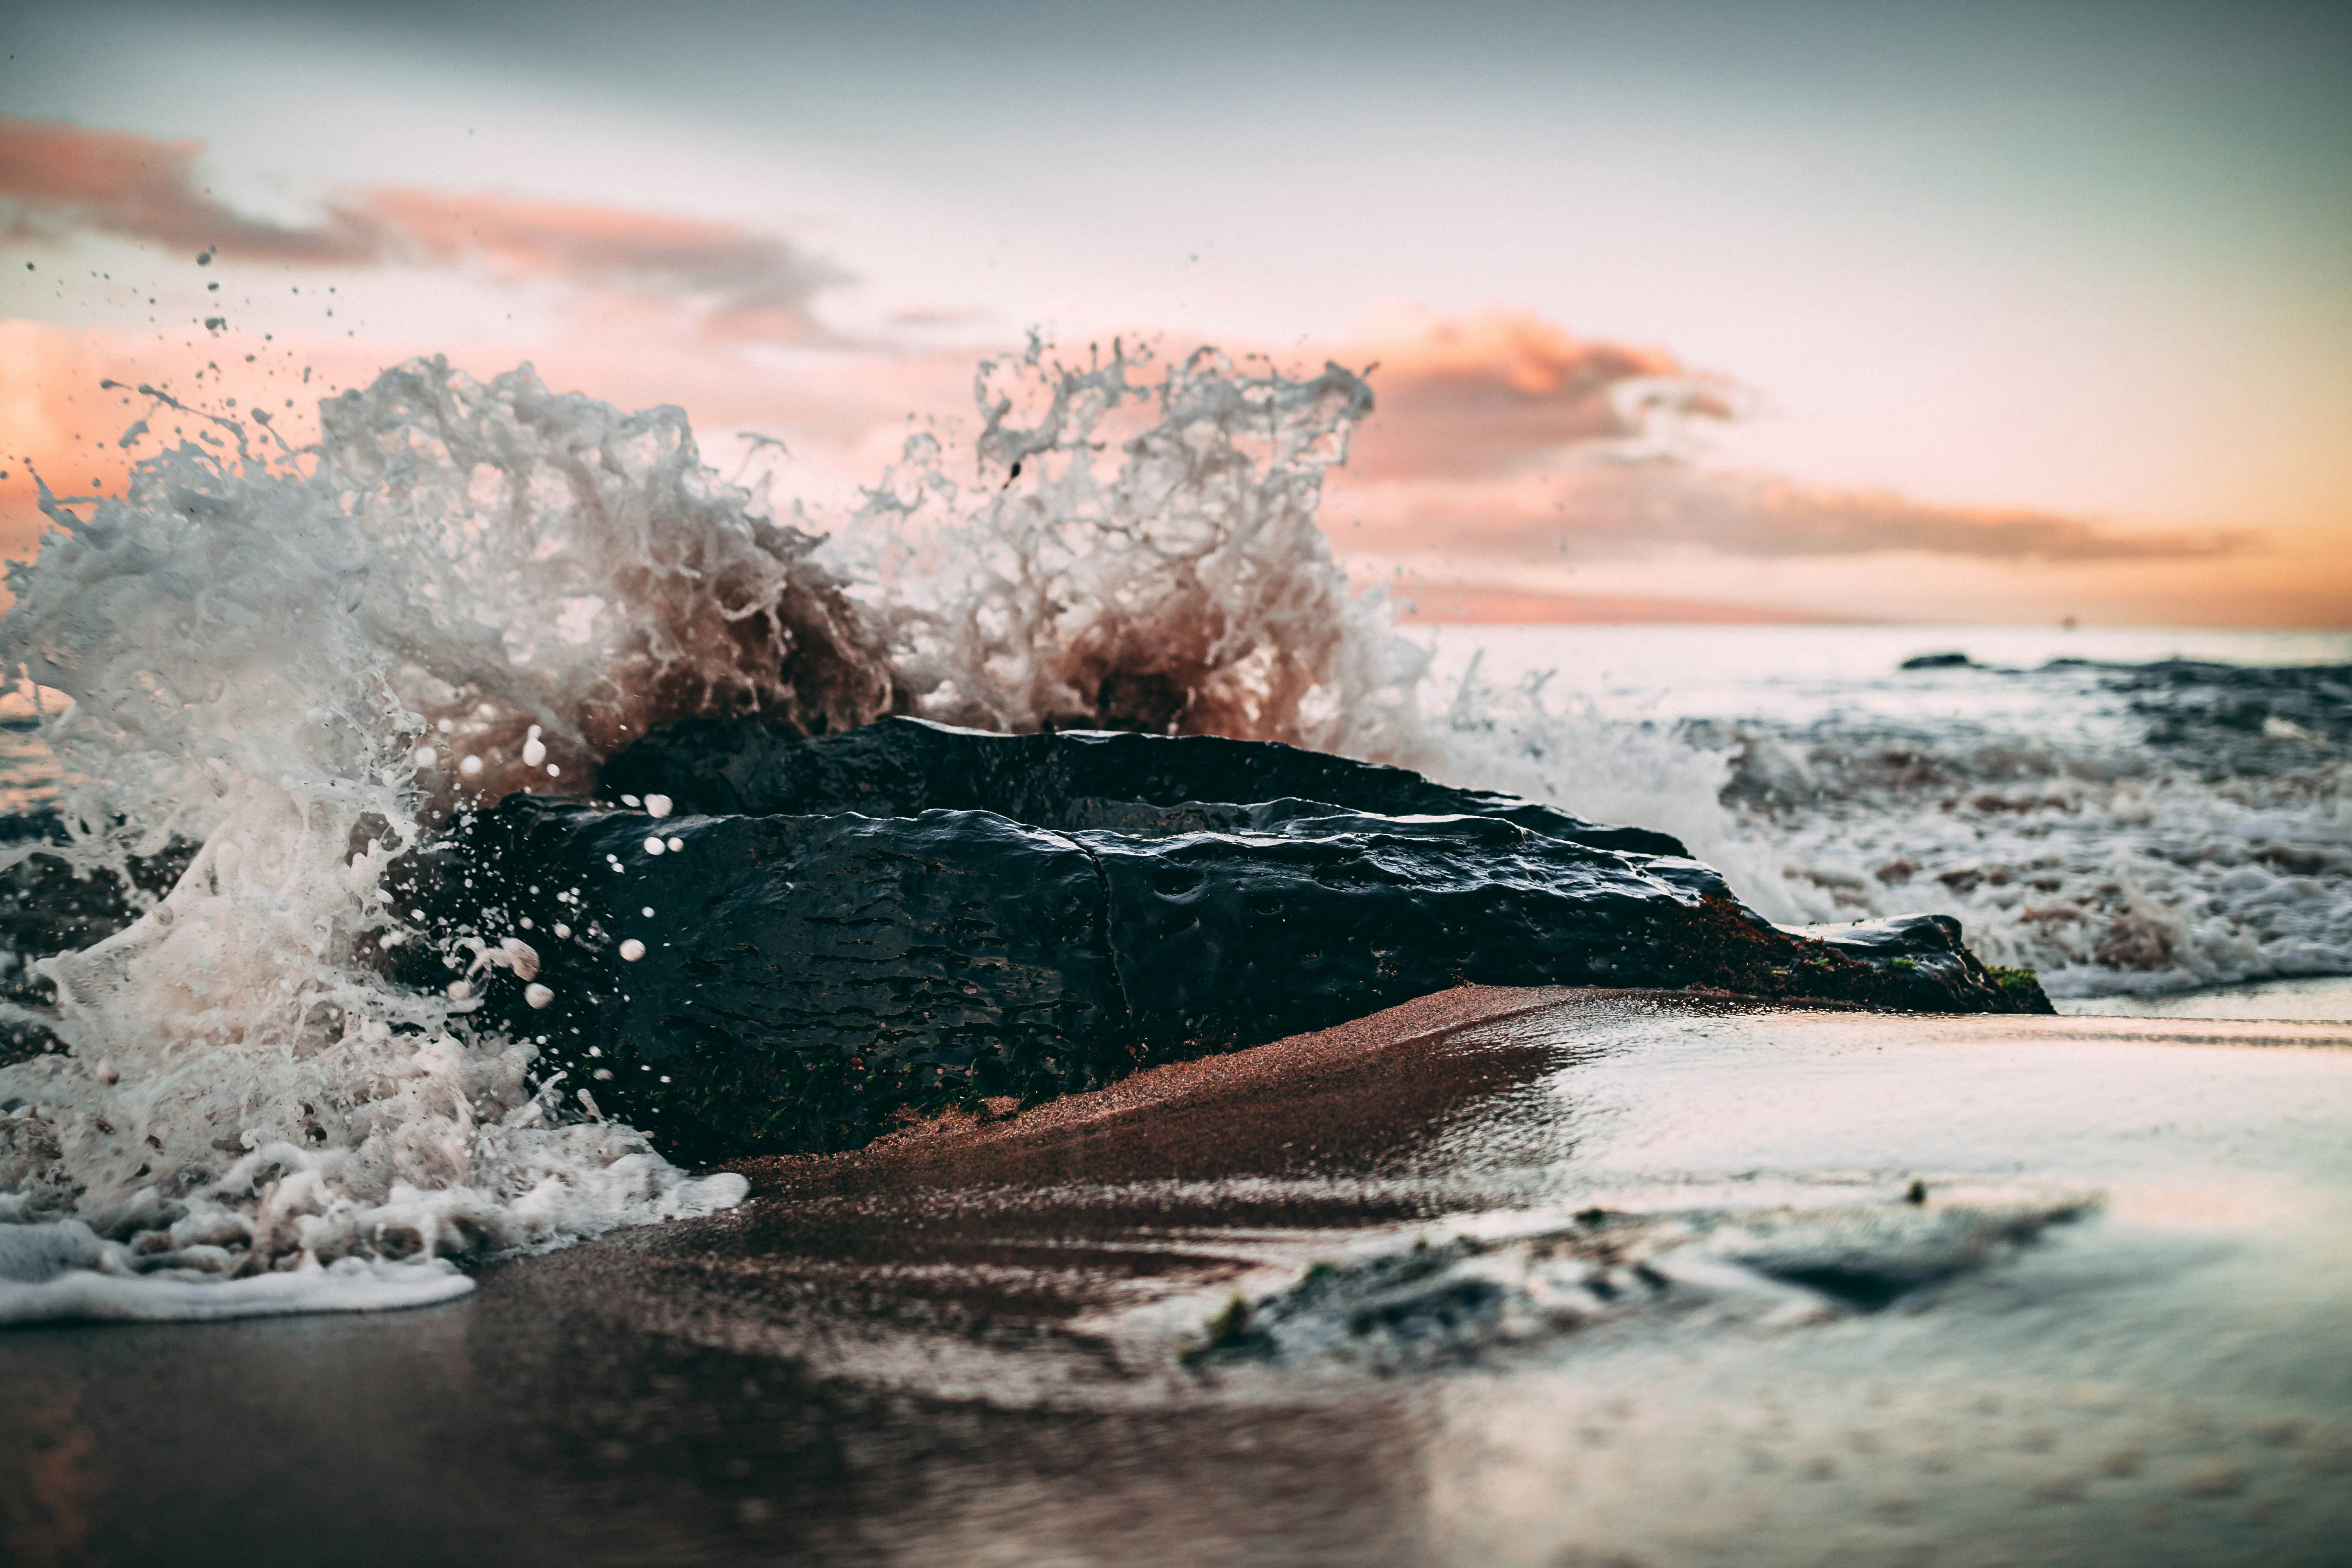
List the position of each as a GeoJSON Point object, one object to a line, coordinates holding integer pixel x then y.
{"type": "Point", "coordinates": [909, 916]}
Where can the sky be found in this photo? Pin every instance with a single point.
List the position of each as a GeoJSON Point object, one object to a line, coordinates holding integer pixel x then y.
{"type": "Point", "coordinates": [1678, 310]}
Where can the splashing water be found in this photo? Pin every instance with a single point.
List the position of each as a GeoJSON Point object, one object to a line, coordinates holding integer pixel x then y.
{"type": "Point", "coordinates": [294, 667]}
{"type": "Point", "coordinates": [301, 662]}
{"type": "Point", "coordinates": [1186, 589]}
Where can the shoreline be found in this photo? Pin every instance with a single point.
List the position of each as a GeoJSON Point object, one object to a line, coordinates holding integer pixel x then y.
{"type": "Point", "coordinates": [995, 1341]}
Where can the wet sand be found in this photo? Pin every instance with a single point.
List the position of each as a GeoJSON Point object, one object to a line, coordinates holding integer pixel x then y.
{"type": "Point", "coordinates": [1537, 1277]}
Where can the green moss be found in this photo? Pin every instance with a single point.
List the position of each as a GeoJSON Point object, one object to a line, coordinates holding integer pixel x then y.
{"type": "Point", "coordinates": [2012, 979]}
{"type": "Point", "coordinates": [1903, 965]}
{"type": "Point", "coordinates": [1230, 1330]}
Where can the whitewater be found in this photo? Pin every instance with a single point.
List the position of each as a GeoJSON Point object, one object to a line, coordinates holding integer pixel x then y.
{"type": "Point", "coordinates": [266, 677]}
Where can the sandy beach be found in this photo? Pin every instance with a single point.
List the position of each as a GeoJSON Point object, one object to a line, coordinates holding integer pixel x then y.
{"type": "Point", "coordinates": [1537, 1276]}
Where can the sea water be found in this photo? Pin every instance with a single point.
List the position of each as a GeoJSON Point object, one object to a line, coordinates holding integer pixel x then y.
{"type": "Point", "coordinates": [2132, 814]}
{"type": "Point", "coordinates": [296, 667]}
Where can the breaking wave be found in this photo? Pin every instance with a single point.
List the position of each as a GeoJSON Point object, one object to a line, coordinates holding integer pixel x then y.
{"type": "Point", "coordinates": [264, 676]}
{"type": "Point", "coordinates": [2147, 828]}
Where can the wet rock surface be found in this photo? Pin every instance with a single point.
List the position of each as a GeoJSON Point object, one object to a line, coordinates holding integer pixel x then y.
{"type": "Point", "coordinates": [921, 918]}
{"type": "Point", "coordinates": [1089, 778]}
{"type": "Point", "coordinates": [47, 908]}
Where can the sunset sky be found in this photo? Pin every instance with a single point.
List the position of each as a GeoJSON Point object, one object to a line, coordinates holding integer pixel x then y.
{"type": "Point", "coordinates": [1983, 312]}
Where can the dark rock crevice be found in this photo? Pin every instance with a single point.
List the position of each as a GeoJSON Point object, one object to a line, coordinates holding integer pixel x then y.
{"type": "Point", "coordinates": [1115, 962]}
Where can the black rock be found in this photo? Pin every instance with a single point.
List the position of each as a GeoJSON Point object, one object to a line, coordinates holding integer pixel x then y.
{"type": "Point", "coordinates": [1926, 952]}
{"type": "Point", "coordinates": [1936, 661]}
{"type": "Point", "coordinates": [48, 908]}
{"type": "Point", "coordinates": [807, 975]}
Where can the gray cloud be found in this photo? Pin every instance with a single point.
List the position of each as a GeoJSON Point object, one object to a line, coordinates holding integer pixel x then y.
{"type": "Point", "coordinates": [58, 181]}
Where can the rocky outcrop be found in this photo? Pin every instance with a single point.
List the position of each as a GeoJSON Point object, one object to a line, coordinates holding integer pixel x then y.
{"type": "Point", "coordinates": [911, 916]}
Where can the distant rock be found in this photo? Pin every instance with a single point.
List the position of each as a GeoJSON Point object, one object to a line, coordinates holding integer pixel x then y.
{"type": "Point", "coordinates": [907, 916]}
{"type": "Point", "coordinates": [1936, 661]}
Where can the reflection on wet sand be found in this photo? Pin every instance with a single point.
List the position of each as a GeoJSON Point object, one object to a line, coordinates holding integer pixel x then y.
{"type": "Point", "coordinates": [1543, 1278]}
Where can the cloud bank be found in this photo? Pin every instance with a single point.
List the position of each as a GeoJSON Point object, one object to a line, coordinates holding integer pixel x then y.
{"type": "Point", "coordinates": [59, 181]}
{"type": "Point", "coordinates": [1500, 392]}
{"type": "Point", "coordinates": [1501, 443]}
{"type": "Point", "coordinates": [1499, 436]}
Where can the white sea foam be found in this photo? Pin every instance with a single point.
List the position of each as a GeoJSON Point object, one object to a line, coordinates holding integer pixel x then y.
{"type": "Point", "coordinates": [2142, 876]}
{"type": "Point", "coordinates": [1140, 552]}
{"type": "Point", "coordinates": [63, 1270]}
{"type": "Point", "coordinates": [2132, 826]}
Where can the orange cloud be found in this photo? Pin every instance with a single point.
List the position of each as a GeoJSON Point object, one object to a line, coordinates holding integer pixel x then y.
{"type": "Point", "coordinates": [1497, 392]}
{"type": "Point", "coordinates": [1597, 511]}
{"type": "Point", "coordinates": [1494, 434]}
{"type": "Point", "coordinates": [1474, 604]}
{"type": "Point", "coordinates": [58, 181]}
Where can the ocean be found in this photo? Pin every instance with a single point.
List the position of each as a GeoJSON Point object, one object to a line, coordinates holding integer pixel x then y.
{"type": "Point", "coordinates": [2133, 813]}
{"type": "Point", "coordinates": [1499, 1276]}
